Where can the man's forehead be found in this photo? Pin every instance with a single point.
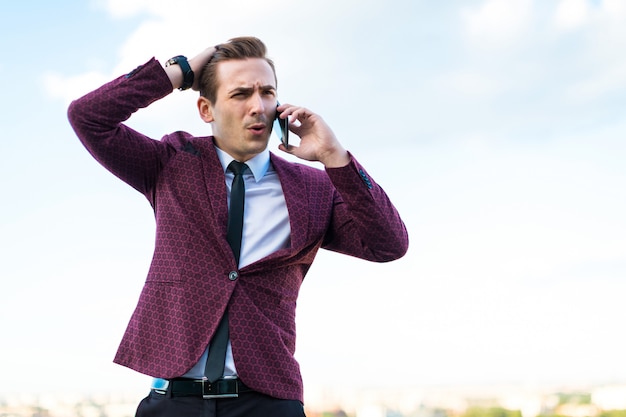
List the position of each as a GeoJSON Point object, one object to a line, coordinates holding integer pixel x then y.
{"type": "Point", "coordinates": [250, 72]}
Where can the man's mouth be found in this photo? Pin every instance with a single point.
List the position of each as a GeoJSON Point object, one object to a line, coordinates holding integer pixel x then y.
{"type": "Point", "coordinates": [257, 128]}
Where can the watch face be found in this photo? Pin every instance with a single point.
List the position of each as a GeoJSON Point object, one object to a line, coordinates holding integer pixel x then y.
{"type": "Point", "coordinates": [173, 60]}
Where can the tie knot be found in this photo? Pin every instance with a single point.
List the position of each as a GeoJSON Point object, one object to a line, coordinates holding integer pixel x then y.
{"type": "Point", "coordinates": [237, 167]}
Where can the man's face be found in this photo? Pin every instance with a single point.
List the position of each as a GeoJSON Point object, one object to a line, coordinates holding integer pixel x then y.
{"type": "Point", "coordinates": [244, 108]}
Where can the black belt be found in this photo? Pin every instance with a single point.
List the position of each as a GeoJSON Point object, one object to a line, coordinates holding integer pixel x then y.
{"type": "Point", "coordinates": [222, 388]}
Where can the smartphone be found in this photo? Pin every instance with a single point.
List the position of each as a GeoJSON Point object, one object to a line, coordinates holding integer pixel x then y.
{"type": "Point", "coordinates": [281, 127]}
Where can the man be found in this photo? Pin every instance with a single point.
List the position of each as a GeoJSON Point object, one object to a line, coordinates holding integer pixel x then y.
{"type": "Point", "coordinates": [206, 270]}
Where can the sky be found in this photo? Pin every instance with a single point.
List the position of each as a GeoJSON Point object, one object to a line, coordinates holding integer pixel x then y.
{"type": "Point", "coordinates": [495, 126]}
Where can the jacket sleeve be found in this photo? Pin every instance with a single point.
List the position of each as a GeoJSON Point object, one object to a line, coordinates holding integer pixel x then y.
{"type": "Point", "coordinates": [364, 223]}
{"type": "Point", "coordinates": [97, 118]}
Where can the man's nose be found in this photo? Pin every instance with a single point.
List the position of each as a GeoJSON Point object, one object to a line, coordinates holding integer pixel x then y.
{"type": "Point", "coordinates": [257, 105]}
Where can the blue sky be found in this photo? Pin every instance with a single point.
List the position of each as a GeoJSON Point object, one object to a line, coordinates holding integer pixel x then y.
{"type": "Point", "coordinates": [496, 126]}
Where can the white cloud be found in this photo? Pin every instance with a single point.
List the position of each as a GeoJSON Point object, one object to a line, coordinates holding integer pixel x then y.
{"type": "Point", "coordinates": [498, 22]}
{"type": "Point", "coordinates": [575, 14]}
{"type": "Point", "coordinates": [615, 8]}
{"type": "Point", "coordinates": [605, 80]}
{"type": "Point", "coordinates": [185, 26]}
{"type": "Point", "coordinates": [181, 10]}
{"type": "Point", "coordinates": [470, 84]}
{"type": "Point", "coordinates": [120, 8]}
{"type": "Point", "coordinates": [571, 14]}
{"type": "Point", "coordinates": [603, 30]}
{"type": "Point", "coordinates": [70, 88]}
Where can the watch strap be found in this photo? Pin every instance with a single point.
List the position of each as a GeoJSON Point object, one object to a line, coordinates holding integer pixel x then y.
{"type": "Point", "coordinates": [188, 74]}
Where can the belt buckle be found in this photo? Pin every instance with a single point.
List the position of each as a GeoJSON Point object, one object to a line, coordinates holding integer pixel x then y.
{"type": "Point", "coordinates": [219, 389]}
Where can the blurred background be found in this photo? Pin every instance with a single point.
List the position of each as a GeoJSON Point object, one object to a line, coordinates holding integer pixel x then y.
{"type": "Point", "coordinates": [496, 126]}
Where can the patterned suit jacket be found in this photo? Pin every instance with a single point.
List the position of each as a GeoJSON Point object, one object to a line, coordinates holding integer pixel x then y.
{"type": "Point", "coordinates": [193, 277]}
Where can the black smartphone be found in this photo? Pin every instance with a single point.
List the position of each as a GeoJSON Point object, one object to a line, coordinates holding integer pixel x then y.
{"type": "Point", "coordinates": [281, 127]}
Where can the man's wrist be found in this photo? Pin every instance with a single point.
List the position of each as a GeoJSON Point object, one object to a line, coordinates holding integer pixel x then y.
{"type": "Point", "coordinates": [337, 159]}
{"type": "Point", "coordinates": [188, 74]}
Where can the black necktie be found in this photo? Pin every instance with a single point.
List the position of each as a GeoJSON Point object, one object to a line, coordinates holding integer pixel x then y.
{"type": "Point", "coordinates": [214, 368]}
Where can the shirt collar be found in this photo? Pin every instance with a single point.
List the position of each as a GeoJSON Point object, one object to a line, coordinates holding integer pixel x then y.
{"type": "Point", "coordinates": [257, 165]}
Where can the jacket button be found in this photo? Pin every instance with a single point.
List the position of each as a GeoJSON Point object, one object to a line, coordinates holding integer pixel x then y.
{"type": "Point", "coordinates": [233, 276]}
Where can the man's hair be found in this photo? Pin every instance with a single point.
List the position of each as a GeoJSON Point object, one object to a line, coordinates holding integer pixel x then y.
{"type": "Point", "coordinates": [236, 48]}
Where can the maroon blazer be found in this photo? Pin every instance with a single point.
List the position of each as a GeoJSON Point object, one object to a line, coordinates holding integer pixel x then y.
{"type": "Point", "coordinates": [193, 277]}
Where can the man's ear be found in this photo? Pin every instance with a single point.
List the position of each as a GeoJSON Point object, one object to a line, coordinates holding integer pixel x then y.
{"type": "Point", "coordinates": [205, 108]}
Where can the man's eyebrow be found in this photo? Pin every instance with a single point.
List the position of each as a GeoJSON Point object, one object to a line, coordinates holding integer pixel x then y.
{"type": "Point", "coordinates": [250, 89]}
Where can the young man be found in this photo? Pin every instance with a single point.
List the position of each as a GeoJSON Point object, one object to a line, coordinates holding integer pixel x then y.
{"type": "Point", "coordinates": [208, 271]}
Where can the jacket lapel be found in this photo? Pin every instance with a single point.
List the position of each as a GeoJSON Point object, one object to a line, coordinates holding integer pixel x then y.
{"type": "Point", "coordinates": [294, 185]}
{"type": "Point", "coordinates": [215, 188]}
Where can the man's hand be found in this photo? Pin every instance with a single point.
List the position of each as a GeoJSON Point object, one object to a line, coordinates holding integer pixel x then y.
{"type": "Point", "coordinates": [317, 140]}
{"type": "Point", "coordinates": [196, 63]}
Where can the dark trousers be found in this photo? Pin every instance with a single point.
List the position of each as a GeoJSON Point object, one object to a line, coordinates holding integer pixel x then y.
{"type": "Point", "coordinates": [248, 404]}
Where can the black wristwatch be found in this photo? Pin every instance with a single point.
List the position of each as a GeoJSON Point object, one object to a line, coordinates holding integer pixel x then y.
{"type": "Point", "coordinates": [181, 61]}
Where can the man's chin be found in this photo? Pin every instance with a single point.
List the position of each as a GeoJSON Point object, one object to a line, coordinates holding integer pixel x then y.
{"type": "Point", "coordinates": [256, 146]}
{"type": "Point", "coordinates": [259, 141]}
